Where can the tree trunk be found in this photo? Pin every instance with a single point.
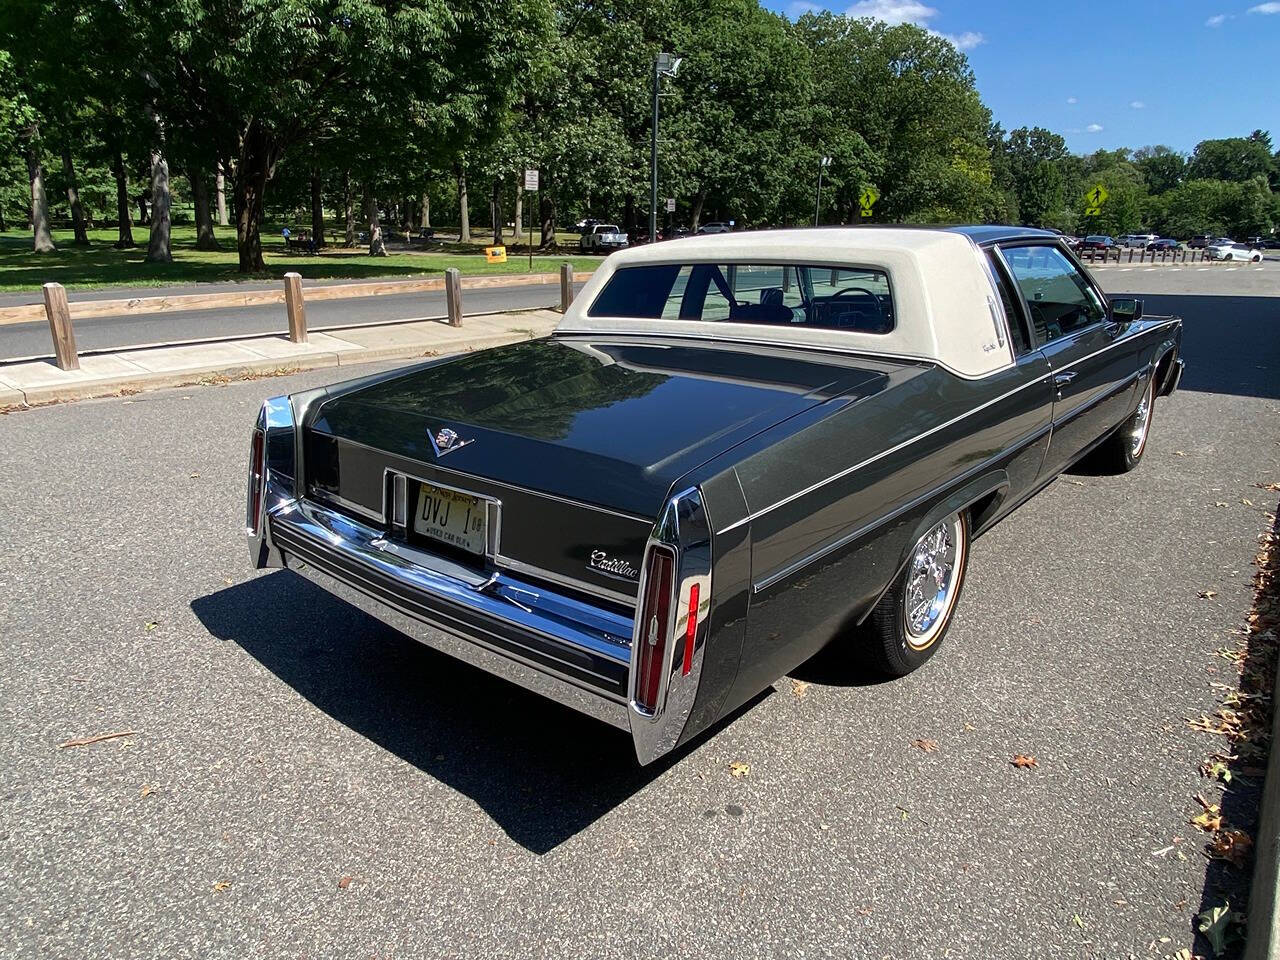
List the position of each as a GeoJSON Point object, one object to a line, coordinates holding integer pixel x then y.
{"type": "Point", "coordinates": [252, 169]}
{"type": "Point", "coordinates": [143, 219]}
{"type": "Point", "coordinates": [317, 210]}
{"type": "Point", "coordinates": [519, 205]}
{"type": "Point", "coordinates": [377, 248]}
{"type": "Point", "coordinates": [158, 244]}
{"type": "Point", "coordinates": [426, 211]}
{"type": "Point", "coordinates": [696, 214]}
{"type": "Point", "coordinates": [124, 215]}
{"type": "Point", "coordinates": [220, 187]}
{"type": "Point", "coordinates": [495, 208]}
{"type": "Point", "coordinates": [629, 213]}
{"type": "Point", "coordinates": [73, 198]}
{"type": "Point", "coordinates": [547, 203]}
{"type": "Point", "coordinates": [42, 238]}
{"type": "Point", "coordinates": [464, 210]}
{"type": "Point", "coordinates": [411, 214]}
{"type": "Point", "coordinates": [205, 239]}
{"type": "Point", "coordinates": [349, 210]}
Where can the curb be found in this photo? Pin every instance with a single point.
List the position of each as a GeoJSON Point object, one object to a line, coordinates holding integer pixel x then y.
{"type": "Point", "coordinates": [1263, 937]}
{"type": "Point", "coordinates": [115, 386]}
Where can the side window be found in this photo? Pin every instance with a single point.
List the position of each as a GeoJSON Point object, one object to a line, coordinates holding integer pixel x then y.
{"type": "Point", "coordinates": [1059, 299]}
{"type": "Point", "coordinates": [1021, 344]}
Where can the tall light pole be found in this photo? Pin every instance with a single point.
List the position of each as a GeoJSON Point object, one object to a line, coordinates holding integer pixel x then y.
{"type": "Point", "coordinates": [823, 163]}
{"type": "Point", "coordinates": [664, 65]}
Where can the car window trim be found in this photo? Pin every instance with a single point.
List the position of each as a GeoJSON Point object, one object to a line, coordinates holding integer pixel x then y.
{"type": "Point", "coordinates": [1004, 276]}
{"type": "Point", "coordinates": [1105, 320]}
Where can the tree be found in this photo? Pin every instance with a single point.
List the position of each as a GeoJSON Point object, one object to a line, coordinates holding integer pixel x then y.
{"type": "Point", "coordinates": [1233, 158]}
{"type": "Point", "coordinates": [1036, 160]}
{"type": "Point", "coordinates": [1162, 168]}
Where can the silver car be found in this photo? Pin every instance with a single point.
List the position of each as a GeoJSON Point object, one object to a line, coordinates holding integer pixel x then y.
{"type": "Point", "coordinates": [1226, 250]}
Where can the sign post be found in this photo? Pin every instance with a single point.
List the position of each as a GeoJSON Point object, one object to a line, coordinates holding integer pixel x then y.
{"type": "Point", "coordinates": [530, 186]}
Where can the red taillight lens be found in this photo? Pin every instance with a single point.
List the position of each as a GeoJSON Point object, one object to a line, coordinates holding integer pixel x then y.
{"type": "Point", "coordinates": [257, 474]}
{"type": "Point", "coordinates": [690, 629]}
{"type": "Point", "coordinates": [655, 626]}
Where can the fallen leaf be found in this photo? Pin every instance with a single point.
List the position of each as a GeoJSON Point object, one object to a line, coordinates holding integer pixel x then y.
{"type": "Point", "coordinates": [195, 475]}
{"type": "Point", "coordinates": [1232, 846]}
{"type": "Point", "coordinates": [799, 688]}
{"type": "Point", "coordinates": [1077, 483]}
{"type": "Point", "coordinates": [221, 886]}
{"type": "Point", "coordinates": [1246, 501]}
{"type": "Point", "coordinates": [1207, 594]}
{"type": "Point", "coordinates": [1183, 954]}
{"type": "Point", "coordinates": [1179, 453]}
{"type": "Point", "coordinates": [1221, 503]}
{"type": "Point", "coordinates": [345, 882]}
{"type": "Point", "coordinates": [85, 741]}
{"type": "Point", "coordinates": [1218, 926]}
{"type": "Point", "coordinates": [1077, 921]}
{"type": "Point", "coordinates": [1024, 761]}
{"type": "Point", "coordinates": [152, 624]}
{"type": "Point", "coordinates": [1209, 820]}
{"type": "Point", "coordinates": [928, 746]}
{"type": "Point", "coordinates": [739, 769]}
{"type": "Point", "coordinates": [147, 790]}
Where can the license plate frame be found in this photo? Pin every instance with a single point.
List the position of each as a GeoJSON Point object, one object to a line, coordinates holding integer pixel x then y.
{"type": "Point", "coordinates": [427, 499]}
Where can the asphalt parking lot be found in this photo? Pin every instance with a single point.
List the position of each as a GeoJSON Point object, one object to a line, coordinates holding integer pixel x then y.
{"type": "Point", "coordinates": [301, 781]}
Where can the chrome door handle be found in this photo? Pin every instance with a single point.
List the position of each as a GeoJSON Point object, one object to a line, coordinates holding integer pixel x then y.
{"type": "Point", "coordinates": [1062, 379]}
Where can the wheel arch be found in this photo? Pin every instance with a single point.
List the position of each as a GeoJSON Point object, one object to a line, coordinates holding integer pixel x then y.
{"type": "Point", "coordinates": [981, 497]}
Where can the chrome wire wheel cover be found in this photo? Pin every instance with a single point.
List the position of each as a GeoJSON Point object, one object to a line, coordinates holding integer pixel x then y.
{"type": "Point", "coordinates": [932, 575]}
{"type": "Point", "coordinates": [1141, 422]}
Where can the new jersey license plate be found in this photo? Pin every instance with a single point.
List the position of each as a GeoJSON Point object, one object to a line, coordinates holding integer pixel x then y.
{"type": "Point", "coordinates": [448, 516]}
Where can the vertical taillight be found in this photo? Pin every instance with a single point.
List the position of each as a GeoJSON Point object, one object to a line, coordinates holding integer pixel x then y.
{"type": "Point", "coordinates": [257, 476]}
{"type": "Point", "coordinates": [654, 631]}
{"type": "Point", "coordinates": [690, 629]}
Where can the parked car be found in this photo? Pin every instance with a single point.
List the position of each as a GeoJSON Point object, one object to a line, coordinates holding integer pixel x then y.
{"type": "Point", "coordinates": [1073, 243]}
{"type": "Point", "coordinates": [585, 224]}
{"type": "Point", "coordinates": [1233, 251]}
{"type": "Point", "coordinates": [673, 233]}
{"type": "Point", "coordinates": [1260, 243]}
{"type": "Point", "coordinates": [1200, 241]}
{"type": "Point", "coordinates": [732, 451]}
{"type": "Point", "coordinates": [1138, 241]}
{"type": "Point", "coordinates": [603, 237]}
{"type": "Point", "coordinates": [1097, 242]}
{"type": "Point", "coordinates": [1271, 243]}
{"type": "Point", "coordinates": [1164, 243]}
{"type": "Point", "coordinates": [716, 226]}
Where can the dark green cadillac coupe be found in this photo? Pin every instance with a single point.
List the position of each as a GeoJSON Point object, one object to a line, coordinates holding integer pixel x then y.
{"type": "Point", "coordinates": [733, 450]}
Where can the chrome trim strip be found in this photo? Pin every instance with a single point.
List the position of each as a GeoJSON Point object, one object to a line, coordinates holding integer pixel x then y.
{"type": "Point", "coordinates": [541, 572]}
{"type": "Point", "coordinates": [781, 574]}
{"type": "Point", "coordinates": [882, 454]}
{"type": "Point", "coordinates": [325, 496]}
{"type": "Point", "coordinates": [647, 521]}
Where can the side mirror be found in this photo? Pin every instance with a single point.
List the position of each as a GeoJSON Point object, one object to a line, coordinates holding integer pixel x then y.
{"type": "Point", "coordinates": [1126, 309]}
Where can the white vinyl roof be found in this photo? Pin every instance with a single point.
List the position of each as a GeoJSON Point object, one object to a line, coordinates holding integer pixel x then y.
{"type": "Point", "coordinates": [946, 307]}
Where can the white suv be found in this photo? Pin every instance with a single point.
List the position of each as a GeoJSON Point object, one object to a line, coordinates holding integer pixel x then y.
{"type": "Point", "coordinates": [1139, 240]}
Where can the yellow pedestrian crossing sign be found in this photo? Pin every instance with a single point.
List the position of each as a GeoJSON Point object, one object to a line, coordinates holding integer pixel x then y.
{"type": "Point", "coordinates": [867, 199]}
{"type": "Point", "coordinates": [1094, 200]}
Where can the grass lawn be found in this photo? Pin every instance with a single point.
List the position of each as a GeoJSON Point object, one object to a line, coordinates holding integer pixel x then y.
{"type": "Point", "coordinates": [101, 265]}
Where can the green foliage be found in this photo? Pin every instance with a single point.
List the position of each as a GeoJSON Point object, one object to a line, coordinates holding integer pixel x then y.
{"type": "Point", "coordinates": [1235, 158]}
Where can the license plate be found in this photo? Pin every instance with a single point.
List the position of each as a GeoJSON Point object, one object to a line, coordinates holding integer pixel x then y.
{"type": "Point", "coordinates": [457, 519]}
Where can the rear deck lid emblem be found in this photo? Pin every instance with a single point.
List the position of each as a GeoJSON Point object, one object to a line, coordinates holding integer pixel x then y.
{"type": "Point", "coordinates": [445, 441]}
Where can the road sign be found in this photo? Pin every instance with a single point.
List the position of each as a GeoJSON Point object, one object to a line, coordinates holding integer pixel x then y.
{"type": "Point", "coordinates": [671, 204]}
{"type": "Point", "coordinates": [495, 254]}
{"type": "Point", "coordinates": [1097, 196]}
{"type": "Point", "coordinates": [867, 199]}
{"type": "Point", "coordinates": [531, 179]}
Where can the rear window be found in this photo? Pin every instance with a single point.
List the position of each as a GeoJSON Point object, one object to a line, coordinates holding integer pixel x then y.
{"type": "Point", "coordinates": [842, 298]}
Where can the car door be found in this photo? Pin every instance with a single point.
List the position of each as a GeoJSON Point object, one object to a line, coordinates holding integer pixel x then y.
{"type": "Point", "coordinates": [1095, 365]}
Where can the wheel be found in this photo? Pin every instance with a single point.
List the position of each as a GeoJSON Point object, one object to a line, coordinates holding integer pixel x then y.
{"type": "Point", "coordinates": [908, 624]}
{"type": "Point", "coordinates": [1122, 451]}
{"type": "Point", "coordinates": [1256, 258]}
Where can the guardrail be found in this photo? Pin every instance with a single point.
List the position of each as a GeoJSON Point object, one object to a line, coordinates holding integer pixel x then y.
{"type": "Point", "coordinates": [60, 312]}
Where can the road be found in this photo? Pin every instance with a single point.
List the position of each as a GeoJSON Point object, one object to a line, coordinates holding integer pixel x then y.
{"type": "Point", "coordinates": [96, 333]}
{"type": "Point", "coordinates": [283, 743]}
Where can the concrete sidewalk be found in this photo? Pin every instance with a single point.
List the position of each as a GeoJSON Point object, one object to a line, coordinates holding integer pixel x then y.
{"type": "Point", "coordinates": [106, 374]}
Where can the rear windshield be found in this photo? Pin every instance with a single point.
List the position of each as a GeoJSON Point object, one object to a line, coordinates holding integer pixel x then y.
{"type": "Point", "coordinates": [846, 298]}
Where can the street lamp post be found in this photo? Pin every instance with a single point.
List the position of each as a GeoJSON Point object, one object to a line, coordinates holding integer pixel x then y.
{"type": "Point", "coordinates": [664, 65]}
{"type": "Point", "coordinates": [823, 163]}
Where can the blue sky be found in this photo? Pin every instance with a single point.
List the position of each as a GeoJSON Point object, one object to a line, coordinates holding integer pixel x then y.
{"type": "Point", "coordinates": [1108, 74]}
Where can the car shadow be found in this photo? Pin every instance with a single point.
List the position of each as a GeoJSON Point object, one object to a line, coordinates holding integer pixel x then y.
{"type": "Point", "coordinates": [542, 771]}
{"type": "Point", "coordinates": [1229, 343]}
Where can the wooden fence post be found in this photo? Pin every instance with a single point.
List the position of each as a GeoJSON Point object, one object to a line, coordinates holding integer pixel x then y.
{"type": "Point", "coordinates": [1131, 254]}
{"type": "Point", "coordinates": [58, 311]}
{"type": "Point", "coordinates": [295, 308]}
{"type": "Point", "coordinates": [453, 296]}
{"type": "Point", "coordinates": [566, 286]}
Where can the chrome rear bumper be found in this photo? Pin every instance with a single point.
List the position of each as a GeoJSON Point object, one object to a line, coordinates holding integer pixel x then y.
{"type": "Point", "coordinates": [552, 644]}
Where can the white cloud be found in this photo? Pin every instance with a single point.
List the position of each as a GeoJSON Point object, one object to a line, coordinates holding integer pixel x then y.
{"type": "Point", "coordinates": [1093, 128]}
{"type": "Point", "coordinates": [1137, 104]}
{"type": "Point", "coordinates": [1072, 100]}
{"type": "Point", "coordinates": [1217, 20]}
{"type": "Point", "coordinates": [894, 12]}
{"type": "Point", "coordinates": [1266, 8]}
